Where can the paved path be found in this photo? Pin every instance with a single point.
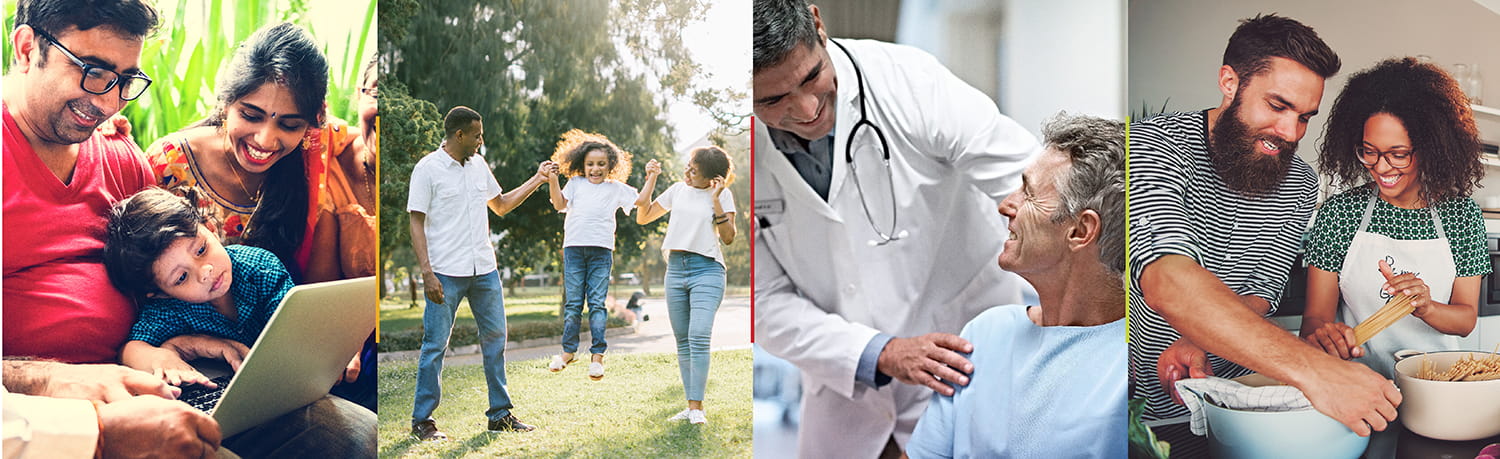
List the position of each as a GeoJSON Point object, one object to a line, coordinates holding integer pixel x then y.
{"type": "Point", "coordinates": [731, 331]}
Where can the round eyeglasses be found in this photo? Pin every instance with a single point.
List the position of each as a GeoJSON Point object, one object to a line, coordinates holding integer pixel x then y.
{"type": "Point", "coordinates": [1399, 159]}
{"type": "Point", "coordinates": [100, 80]}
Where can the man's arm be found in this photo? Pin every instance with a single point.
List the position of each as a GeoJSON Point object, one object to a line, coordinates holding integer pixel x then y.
{"type": "Point", "coordinates": [142, 426]}
{"type": "Point", "coordinates": [44, 427]}
{"type": "Point", "coordinates": [1207, 312]}
{"type": "Point", "coordinates": [87, 382]}
{"type": "Point", "coordinates": [505, 202]}
{"type": "Point", "coordinates": [430, 283]}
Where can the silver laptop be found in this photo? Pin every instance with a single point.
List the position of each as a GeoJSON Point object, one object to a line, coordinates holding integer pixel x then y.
{"type": "Point", "coordinates": [300, 354]}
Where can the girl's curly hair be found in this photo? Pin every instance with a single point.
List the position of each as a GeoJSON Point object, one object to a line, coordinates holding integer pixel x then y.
{"type": "Point", "coordinates": [576, 145]}
{"type": "Point", "coordinates": [1433, 110]}
{"type": "Point", "coordinates": [713, 161]}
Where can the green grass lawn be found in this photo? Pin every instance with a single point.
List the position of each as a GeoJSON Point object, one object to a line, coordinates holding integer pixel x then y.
{"type": "Point", "coordinates": [623, 415]}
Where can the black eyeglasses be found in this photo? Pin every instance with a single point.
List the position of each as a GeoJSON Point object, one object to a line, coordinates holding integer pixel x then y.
{"type": "Point", "coordinates": [372, 92]}
{"type": "Point", "coordinates": [100, 80]}
{"type": "Point", "coordinates": [1399, 159]}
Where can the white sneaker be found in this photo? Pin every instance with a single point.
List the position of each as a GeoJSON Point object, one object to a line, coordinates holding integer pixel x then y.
{"type": "Point", "coordinates": [697, 417]}
{"type": "Point", "coordinates": [596, 371]}
{"type": "Point", "coordinates": [681, 416]}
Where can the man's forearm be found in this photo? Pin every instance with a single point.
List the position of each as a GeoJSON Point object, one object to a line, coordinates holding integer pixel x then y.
{"type": "Point", "coordinates": [509, 201]}
{"type": "Point", "coordinates": [25, 376]}
{"type": "Point", "coordinates": [1260, 306]}
{"type": "Point", "coordinates": [1206, 312]}
{"type": "Point", "coordinates": [419, 240]}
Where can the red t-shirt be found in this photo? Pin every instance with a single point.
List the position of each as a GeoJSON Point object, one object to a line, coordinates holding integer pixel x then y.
{"type": "Point", "coordinates": [58, 301]}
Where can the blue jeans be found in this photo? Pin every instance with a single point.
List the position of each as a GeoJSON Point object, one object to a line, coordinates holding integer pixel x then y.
{"type": "Point", "coordinates": [585, 277]}
{"type": "Point", "coordinates": [695, 287]}
{"type": "Point", "coordinates": [488, 304]}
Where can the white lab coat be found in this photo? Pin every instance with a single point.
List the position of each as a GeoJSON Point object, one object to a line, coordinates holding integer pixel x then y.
{"type": "Point", "coordinates": [822, 292]}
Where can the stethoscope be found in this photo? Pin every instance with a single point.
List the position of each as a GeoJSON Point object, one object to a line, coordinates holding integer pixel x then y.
{"type": "Point", "coordinates": [885, 237]}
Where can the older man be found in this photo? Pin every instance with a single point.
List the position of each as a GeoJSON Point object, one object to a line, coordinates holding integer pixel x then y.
{"type": "Point", "coordinates": [876, 169]}
{"type": "Point", "coordinates": [1049, 380]}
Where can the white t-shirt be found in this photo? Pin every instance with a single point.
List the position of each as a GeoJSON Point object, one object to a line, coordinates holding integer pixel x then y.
{"type": "Point", "coordinates": [591, 211]}
{"type": "Point", "coordinates": [455, 198]}
{"type": "Point", "coordinates": [691, 225]}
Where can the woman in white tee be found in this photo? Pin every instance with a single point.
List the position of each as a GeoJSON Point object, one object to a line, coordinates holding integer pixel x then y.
{"type": "Point", "coordinates": [702, 219]}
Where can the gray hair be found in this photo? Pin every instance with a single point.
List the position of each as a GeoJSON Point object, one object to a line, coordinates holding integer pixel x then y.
{"type": "Point", "coordinates": [1096, 180]}
{"type": "Point", "coordinates": [780, 27]}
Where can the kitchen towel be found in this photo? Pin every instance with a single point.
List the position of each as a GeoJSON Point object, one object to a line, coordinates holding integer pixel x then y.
{"type": "Point", "coordinates": [1234, 395]}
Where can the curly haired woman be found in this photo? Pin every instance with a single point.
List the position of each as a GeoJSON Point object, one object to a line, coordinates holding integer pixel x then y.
{"type": "Point", "coordinates": [1411, 229]}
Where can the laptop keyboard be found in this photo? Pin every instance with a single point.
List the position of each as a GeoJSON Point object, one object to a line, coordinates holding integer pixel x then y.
{"type": "Point", "coordinates": [202, 397]}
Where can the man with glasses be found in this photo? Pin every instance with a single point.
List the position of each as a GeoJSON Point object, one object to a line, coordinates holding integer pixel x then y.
{"type": "Point", "coordinates": [877, 175]}
{"type": "Point", "coordinates": [74, 66]}
{"type": "Point", "coordinates": [76, 63]}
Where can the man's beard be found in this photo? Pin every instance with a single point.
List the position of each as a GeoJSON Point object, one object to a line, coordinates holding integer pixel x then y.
{"type": "Point", "coordinates": [1233, 150]}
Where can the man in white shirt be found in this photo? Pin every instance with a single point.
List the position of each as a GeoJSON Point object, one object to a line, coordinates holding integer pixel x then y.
{"type": "Point", "coordinates": [450, 189]}
{"type": "Point", "coordinates": [877, 174]}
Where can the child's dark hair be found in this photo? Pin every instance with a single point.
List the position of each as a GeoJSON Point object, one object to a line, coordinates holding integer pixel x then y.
{"type": "Point", "coordinates": [713, 161]}
{"type": "Point", "coordinates": [576, 145]}
{"type": "Point", "coordinates": [140, 228]}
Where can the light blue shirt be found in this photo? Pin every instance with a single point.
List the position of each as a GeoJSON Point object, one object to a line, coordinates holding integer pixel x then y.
{"type": "Point", "coordinates": [1054, 392]}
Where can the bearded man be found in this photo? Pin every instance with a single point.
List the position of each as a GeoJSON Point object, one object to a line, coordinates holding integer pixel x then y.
{"type": "Point", "coordinates": [1218, 205]}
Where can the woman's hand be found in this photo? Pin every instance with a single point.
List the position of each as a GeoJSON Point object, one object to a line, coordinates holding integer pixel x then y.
{"type": "Point", "coordinates": [351, 371]}
{"type": "Point", "coordinates": [717, 185]}
{"type": "Point", "coordinates": [116, 125]}
{"type": "Point", "coordinates": [653, 169]}
{"type": "Point", "coordinates": [1407, 284]}
{"type": "Point", "coordinates": [1336, 339]}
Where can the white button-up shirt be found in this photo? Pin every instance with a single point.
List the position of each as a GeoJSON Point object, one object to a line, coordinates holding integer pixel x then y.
{"type": "Point", "coordinates": [455, 198]}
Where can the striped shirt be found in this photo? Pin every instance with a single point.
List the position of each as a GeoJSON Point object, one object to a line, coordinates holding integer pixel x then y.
{"type": "Point", "coordinates": [1179, 206]}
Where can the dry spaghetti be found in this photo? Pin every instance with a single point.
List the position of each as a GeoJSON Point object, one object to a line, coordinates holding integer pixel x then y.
{"type": "Point", "coordinates": [1393, 311]}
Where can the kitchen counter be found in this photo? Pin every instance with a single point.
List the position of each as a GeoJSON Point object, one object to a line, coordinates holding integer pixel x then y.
{"type": "Point", "coordinates": [1397, 442]}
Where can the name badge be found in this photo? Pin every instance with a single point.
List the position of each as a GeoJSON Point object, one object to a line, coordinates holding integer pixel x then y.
{"type": "Point", "coordinates": [770, 206]}
{"type": "Point", "coordinates": [768, 212]}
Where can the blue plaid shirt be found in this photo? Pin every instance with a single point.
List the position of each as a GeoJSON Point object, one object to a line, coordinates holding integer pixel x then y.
{"type": "Point", "coordinates": [260, 281]}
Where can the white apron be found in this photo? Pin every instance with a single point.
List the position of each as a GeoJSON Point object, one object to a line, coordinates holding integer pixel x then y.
{"type": "Point", "coordinates": [1360, 295]}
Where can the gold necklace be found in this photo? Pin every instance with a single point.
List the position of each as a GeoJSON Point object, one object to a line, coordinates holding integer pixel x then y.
{"type": "Point", "coordinates": [255, 197]}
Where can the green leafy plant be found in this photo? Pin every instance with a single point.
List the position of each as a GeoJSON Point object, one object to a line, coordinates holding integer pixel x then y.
{"type": "Point", "coordinates": [1143, 442]}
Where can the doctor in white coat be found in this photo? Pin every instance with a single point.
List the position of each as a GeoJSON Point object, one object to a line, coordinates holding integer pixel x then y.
{"type": "Point", "coordinates": [865, 270]}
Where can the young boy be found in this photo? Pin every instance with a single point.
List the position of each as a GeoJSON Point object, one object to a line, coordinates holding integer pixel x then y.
{"type": "Point", "coordinates": [159, 250]}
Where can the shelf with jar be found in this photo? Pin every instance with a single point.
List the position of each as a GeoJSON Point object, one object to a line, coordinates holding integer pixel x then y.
{"type": "Point", "coordinates": [1482, 111]}
{"type": "Point", "coordinates": [1486, 115]}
